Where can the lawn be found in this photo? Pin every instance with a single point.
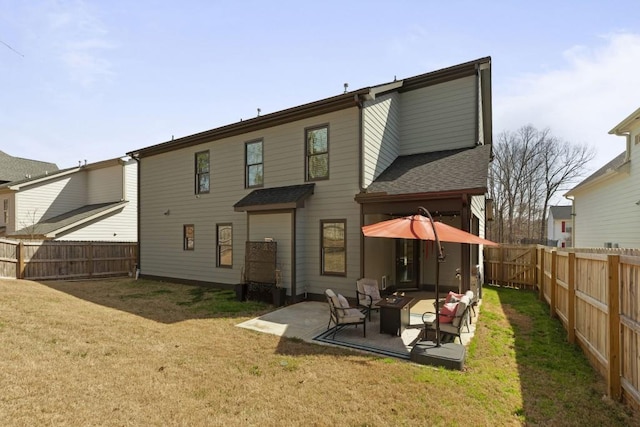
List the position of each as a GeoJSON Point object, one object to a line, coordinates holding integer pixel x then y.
{"type": "Point", "coordinates": [142, 353]}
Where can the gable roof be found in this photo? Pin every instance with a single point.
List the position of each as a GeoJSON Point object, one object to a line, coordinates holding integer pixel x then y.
{"type": "Point", "coordinates": [601, 173]}
{"type": "Point", "coordinates": [16, 168]}
{"type": "Point", "coordinates": [288, 197]}
{"type": "Point", "coordinates": [346, 100]}
{"type": "Point", "coordinates": [451, 171]}
{"type": "Point", "coordinates": [627, 124]}
{"type": "Point", "coordinates": [51, 227]}
{"type": "Point", "coordinates": [560, 212]}
{"type": "Point", "coordinates": [31, 180]}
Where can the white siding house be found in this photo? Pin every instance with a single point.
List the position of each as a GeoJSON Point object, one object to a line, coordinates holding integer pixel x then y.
{"type": "Point", "coordinates": [606, 205]}
{"type": "Point", "coordinates": [94, 202]}
{"type": "Point", "coordinates": [311, 176]}
{"type": "Point", "coordinates": [559, 226]}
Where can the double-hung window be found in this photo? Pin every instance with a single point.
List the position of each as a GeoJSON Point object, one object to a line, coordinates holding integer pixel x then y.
{"type": "Point", "coordinates": [317, 153]}
{"type": "Point", "coordinates": [224, 245]}
{"type": "Point", "coordinates": [254, 176]}
{"type": "Point", "coordinates": [5, 212]}
{"type": "Point", "coordinates": [202, 172]}
{"type": "Point", "coordinates": [188, 237]}
{"type": "Point", "coordinates": [333, 247]}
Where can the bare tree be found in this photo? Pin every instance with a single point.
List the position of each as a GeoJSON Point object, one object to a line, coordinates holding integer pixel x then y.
{"type": "Point", "coordinates": [30, 223]}
{"type": "Point", "coordinates": [563, 164]}
{"type": "Point", "coordinates": [528, 169]}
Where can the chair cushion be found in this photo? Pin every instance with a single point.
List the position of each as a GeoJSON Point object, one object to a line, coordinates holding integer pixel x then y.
{"type": "Point", "coordinates": [453, 297]}
{"type": "Point", "coordinates": [350, 315]}
{"type": "Point", "coordinates": [373, 291]}
{"type": "Point", "coordinates": [342, 301]}
{"type": "Point", "coordinates": [462, 306]}
{"type": "Point", "coordinates": [449, 309]}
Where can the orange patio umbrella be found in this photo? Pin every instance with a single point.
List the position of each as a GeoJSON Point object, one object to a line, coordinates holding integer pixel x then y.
{"type": "Point", "coordinates": [419, 227]}
{"type": "Point", "coordinates": [424, 228]}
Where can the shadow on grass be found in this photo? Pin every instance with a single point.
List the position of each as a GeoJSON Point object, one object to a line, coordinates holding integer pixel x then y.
{"type": "Point", "coordinates": [163, 302]}
{"type": "Point", "coordinates": [558, 385]}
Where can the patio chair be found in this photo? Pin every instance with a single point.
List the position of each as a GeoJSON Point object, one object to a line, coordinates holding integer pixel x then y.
{"type": "Point", "coordinates": [453, 317]}
{"type": "Point", "coordinates": [341, 314]}
{"type": "Point", "coordinates": [368, 295]}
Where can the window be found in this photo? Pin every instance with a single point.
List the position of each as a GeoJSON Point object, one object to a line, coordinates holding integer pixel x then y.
{"type": "Point", "coordinates": [5, 215]}
{"type": "Point", "coordinates": [224, 246]}
{"type": "Point", "coordinates": [564, 226]}
{"type": "Point", "coordinates": [202, 172]}
{"type": "Point", "coordinates": [334, 247]}
{"type": "Point", "coordinates": [317, 149]}
{"type": "Point", "coordinates": [253, 160]}
{"type": "Point", "coordinates": [188, 237]}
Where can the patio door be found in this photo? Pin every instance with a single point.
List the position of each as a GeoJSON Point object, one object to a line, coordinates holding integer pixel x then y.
{"type": "Point", "coordinates": [407, 264]}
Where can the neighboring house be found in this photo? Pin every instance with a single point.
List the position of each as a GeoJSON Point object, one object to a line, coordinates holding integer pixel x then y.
{"type": "Point", "coordinates": [606, 205]}
{"type": "Point", "coordinates": [16, 168]}
{"type": "Point", "coordinates": [559, 226]}
{"type": "Point", "coordinates": [94, 202]}
{"type": "Point", "coordinates": [310, 176]}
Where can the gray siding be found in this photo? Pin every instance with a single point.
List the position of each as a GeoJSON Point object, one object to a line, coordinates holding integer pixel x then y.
{"type": "Point", "coordinates": [167, 183]}
{"type": "Point", "coordinates": [276, 226]}
{"type": "Point", "coordinates": [439, 117]}
{"type": "Point", "coordinates": [381, 118]}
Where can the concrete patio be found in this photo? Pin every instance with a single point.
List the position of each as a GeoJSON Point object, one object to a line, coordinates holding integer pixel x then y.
{"type": "Point", "coordinates": [308, 320]}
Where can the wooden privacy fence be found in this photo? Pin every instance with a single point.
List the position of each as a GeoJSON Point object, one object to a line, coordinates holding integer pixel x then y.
{"type": "Point", "coordinates": [596, 296]}
{"type": "Point", "coordinates": [47, 260]}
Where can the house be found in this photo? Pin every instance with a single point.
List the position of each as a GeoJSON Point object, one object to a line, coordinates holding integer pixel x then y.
{"type": "Point", "coordinates": [308, 177]}
{"type": "Point", "coordinates": [559, 226]}
{"type": "Point", "coordinates": [16, 168]}
{"type": "Point", "coordinates": [92, 202]}
{"type": "Point", "coordinates": [606, 205]}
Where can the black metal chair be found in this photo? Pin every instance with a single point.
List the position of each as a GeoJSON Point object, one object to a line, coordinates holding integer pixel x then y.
{"type": "Point", "coordinates": [341, 314]}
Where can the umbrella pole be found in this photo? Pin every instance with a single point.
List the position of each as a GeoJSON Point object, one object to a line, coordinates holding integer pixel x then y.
{"type": "Point", "coordinates": [438, 261]}
{"type": "Point", "coordinates": [437, 303]}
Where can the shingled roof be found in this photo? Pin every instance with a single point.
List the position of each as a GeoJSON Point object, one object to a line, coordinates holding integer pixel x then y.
{"type": "Point", "coordinates": [16, 168]}
{"type": "Point", "coordinates": [461, 170]}
{"type": "Point", "coordinates": [560, 212]}
{"type": "Point", "coordinates": [611, 166]}
{"type": "Point", "coordinates": [292, 196]}
{"type": "Point", "coordinates": [69, 219]}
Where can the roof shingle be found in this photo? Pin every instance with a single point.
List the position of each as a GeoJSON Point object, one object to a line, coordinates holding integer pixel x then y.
{"type": "Point", "coordinates": [436, 172]}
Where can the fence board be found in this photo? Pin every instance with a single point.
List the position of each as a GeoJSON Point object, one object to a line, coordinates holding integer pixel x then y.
{"type": "Point", "coordinates": [595, 293]}
{"type": "Point", "coordinates": [46, 260]}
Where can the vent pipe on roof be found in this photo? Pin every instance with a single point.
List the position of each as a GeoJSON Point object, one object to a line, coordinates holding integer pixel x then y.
{"type": "Point", "coordinates": [346, 87]}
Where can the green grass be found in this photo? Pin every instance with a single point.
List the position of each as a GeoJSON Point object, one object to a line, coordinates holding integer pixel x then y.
{"type": "Point", "coordinates": [125, 352]}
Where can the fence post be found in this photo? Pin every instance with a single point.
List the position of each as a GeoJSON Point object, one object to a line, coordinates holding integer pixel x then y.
{"type": "Point", "coordinates": [500, 266]}
{"type": "Point", "coordinates": [613, 267]}
{"type": "Point", "coordinates": [20, 256]}
{"type": "Point", "coordinates": [90, 263]}
{"type": "Point", "coordinates": [571, 309]}
{"type": "Point", "coordinates": [541, 273]}
{"type": "Point", "coordinates": [554, 283]}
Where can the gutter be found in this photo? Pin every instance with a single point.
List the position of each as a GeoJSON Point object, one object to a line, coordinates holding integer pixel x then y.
{"type": "Point", "coordinates": [336, 103]}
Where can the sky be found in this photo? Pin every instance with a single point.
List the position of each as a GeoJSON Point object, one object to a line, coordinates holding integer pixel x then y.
{"type": "Point", "coordinates": [92, 80]}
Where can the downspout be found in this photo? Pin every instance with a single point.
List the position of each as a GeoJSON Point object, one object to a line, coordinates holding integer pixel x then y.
{"type": "Point", "coordinates": [477, 102]}
{"type": "Point", "coordinates": [138, 222]}
{"type": "Point", "coordinates": [360, 105]}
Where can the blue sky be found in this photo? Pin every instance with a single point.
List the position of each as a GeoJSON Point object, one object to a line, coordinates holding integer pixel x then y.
{"type": "Point", "coordinates": [96, 79]}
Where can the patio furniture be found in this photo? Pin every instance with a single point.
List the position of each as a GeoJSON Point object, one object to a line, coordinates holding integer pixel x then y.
{"type": "Point", "coordinates": [394, 314]}
{"type": "Point", "coordinates": [453, 317]}
{"type": "Point", "coordinates": [368, 295]}
{"type": "Point", "coordinates": [342, 314]}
